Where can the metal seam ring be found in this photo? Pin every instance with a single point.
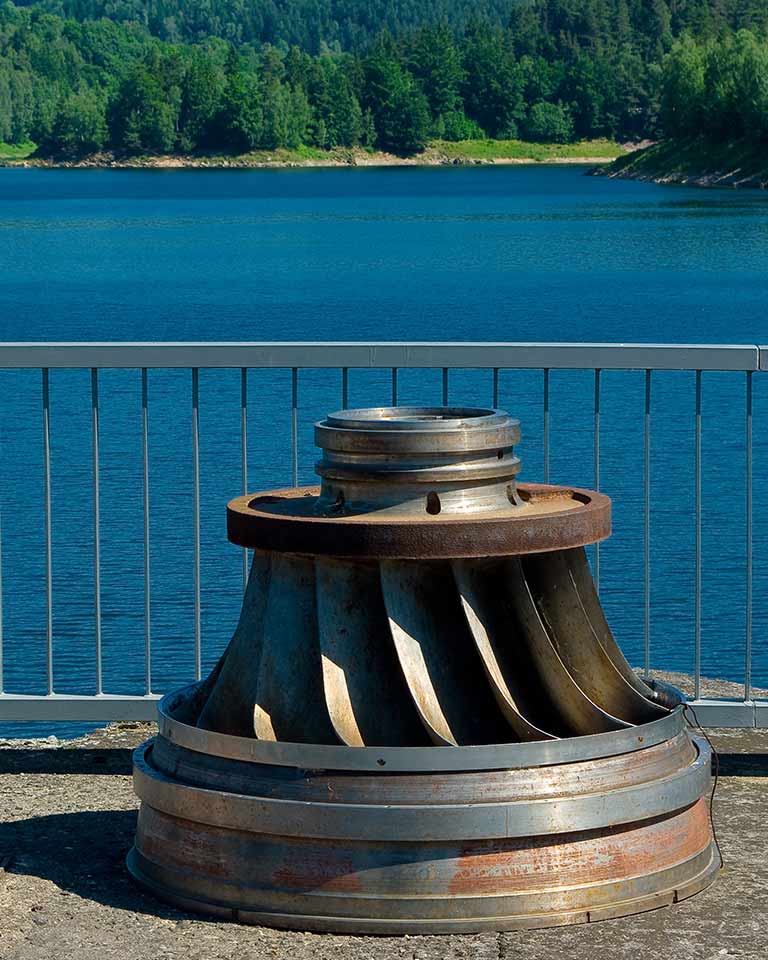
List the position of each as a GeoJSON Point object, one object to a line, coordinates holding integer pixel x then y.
{"type": "Point", "coordinates": [479, 821]}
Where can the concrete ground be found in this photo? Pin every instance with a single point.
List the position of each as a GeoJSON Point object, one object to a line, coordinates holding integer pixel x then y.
{"type": "Point", "coordinates": [67, 815]}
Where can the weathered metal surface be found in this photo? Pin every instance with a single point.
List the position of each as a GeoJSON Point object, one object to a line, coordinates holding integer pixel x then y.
{"type": "Point", "coordinates": [434, 648]}
{"type": "Point", "coordinates": [364, 689]}
{"type": "Point", "coordinates": [414, 652]}
{"type": "Point", "coordinates": [423, 721]}
{"type": "Point", "coordinates": [557, 598]}
{"type": "Point", "coordinates": [289, 703]}
{"type": "Point", "coordinates": [582, 778]}
{"type": "Point", "coordinates": [423, 852]}
{"type": "Point", "coordinates": [578, 711]}
{"type": "Point", "coordinates": [581, 577]}
{"type": "Point", "coordinates": [229, 707]}
{"type": "Point", "coordinates": [506, 660]}
{"type": "Point", "coordinates": [425, 823]}
{"type": "Point", "coordinates": [177, 713]}
{"type": "Point", "coordinates": [550, 518]}
{"type": "Point", "coordinates": [411, 460]}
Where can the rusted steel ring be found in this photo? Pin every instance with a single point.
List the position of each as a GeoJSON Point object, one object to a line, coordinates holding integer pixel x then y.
{"type": "Point", "coordinates": [374, 821]}
{"type": "Point", "coordinates": [372, 851]}
{"type": "Point", "coordinates": [285, 521]}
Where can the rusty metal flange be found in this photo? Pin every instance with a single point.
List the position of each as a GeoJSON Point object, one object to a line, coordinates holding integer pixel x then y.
{"type": "Point", "coordinates": [289, 521]}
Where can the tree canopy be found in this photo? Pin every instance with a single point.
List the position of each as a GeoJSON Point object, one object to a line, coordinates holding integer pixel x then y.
{"type": "Point", "coordinates": [174, 75]}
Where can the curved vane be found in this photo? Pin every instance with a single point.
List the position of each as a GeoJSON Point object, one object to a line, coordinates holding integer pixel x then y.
{"type": "Point", "coordinates": [406, 652]}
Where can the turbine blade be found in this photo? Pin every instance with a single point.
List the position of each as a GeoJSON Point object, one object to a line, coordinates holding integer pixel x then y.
{"type": "Point", "coordinates": [367, 698]}
{"type": "Point", "coordinates": [289, 703]}
{"type": "Point", "coordinates": [558, 601]}
{"type": "Point", "coordinates": [585, 587]}
{"type": "Point", "coordinates": [233, 683]}
{"type": "Point", "coordinates": [437, 655]}
{"type": "Point", "coordinates": [505, 659]}
{"type": "Point", "coordinates": [579, 713]}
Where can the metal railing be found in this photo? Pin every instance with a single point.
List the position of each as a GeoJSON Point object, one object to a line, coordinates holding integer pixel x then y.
{"type": "Point", "coordinates": [744, 360]}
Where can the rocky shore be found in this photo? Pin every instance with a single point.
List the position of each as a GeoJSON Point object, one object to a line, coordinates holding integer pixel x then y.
{"type": "Point", "coordinates": [472, 153]}
{"type": "Point", "coordinates": [692, 163]}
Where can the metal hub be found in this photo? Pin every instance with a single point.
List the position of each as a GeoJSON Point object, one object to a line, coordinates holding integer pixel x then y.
{"type": "Point", "coordinates": [417, 460]}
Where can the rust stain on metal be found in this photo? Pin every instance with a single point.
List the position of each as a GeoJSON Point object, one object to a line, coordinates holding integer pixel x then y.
{"type": "Point", "coordinates": [553, 518]}
{"type": "Point", "coordinates": [545, 863]}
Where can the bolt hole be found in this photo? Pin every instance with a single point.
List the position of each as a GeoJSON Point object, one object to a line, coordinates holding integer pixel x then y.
{"type": "Point", "coordinates": [338, 503]}
{"type": "Point", "coordinates": [500, 455]}
{"type": "Point", "coordinates": [381, 762]}
{"type": "Point", "coordinates": [512, 495]}
{"type": "Point", "coordinates": [433, 503]}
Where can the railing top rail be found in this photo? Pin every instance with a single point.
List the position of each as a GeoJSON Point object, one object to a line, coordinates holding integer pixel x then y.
{"type": "Point", "coordinates": [383, 355]}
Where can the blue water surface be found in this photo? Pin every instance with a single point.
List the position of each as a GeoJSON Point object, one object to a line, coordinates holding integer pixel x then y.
{"type": "Point", "coordinates": [490, 253]}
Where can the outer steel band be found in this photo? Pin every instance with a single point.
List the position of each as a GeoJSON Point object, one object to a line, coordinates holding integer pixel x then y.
{"type": "Point", "coordinates": [505, 756]}
{"type": "Point", "coordinates": [319, 911]}
{"type": "Point", "coordinates": [418, 430]}
{"type": "Point", "coordinates": [412, 472]}
{"type": "Point", "coordinates": [367, 822]}
{"type": "Point", "coordinates": [432, 789]}
{"type": "Point", "coordinates": [430, 538]}
{"type": "Point", "coordinates": [459, 442]}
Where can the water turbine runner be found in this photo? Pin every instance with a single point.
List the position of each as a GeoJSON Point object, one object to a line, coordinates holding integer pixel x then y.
{"type": "Point", "coordinates": [423, 722]}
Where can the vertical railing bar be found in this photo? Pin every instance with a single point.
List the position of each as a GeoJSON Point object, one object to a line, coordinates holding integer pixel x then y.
{"type": "Point", "coordinates": [344, 387]}
{"type": "Point", "coordinates": [48, 534]}
{"type": "Point", "coordinates": [596, 465]}
{"type": "Point", "coordinates": [545, 432]}
{"type": "Point", "coordinates": [196, 511]}
{"type": "Point", "coordinates": [748, 599]}
{"type": "Point", "coordinates": [394, 386]}
{"type": "Point", "coordinates": [96, 526]}
{"type": "Point", "coordinates": [495, 387]}
{"type": "Point", "coordinates": [647, 529]}
{"type": "Point", "coordinates": [2, 686]}
{"type": "Point", "coordinates": [145, 504]}
{"type": "Point", "coordinates": [445, 386]}
{"type": "Point", "coordinates": [244, 453]}
{"type": "Point", "coordinates": [697, 588]}
{"type": "Point", "coordinates": [295, 426]}
{"type": "Point", "coordinates": [1, 600]}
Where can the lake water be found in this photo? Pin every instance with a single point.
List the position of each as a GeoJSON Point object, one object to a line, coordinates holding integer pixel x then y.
{"type": "Point", "coordinates": [519, 253]}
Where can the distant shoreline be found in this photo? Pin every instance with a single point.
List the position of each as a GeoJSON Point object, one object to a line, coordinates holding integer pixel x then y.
{"type": "Point", "coordinates": [472, 153]}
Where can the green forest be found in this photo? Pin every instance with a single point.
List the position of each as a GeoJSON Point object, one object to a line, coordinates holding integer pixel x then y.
{"type": "Point", "coordinates": [717, 89]}
{"type": "Point", "coordinates": [165, 76]}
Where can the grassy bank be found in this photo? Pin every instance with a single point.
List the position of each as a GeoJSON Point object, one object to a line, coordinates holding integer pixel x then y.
{"type": "Point", "coordinates": [15, 151]}
{"type": "Point", "coordinates": [695, 162]}
{"type": "Point", "coordinates": [436, 153]}
{"type": "Point", "coordinates": [500, 150]}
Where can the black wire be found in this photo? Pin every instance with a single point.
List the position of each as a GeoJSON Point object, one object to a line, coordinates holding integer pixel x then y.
{"type": "Point", "coordinates": [716, 778]}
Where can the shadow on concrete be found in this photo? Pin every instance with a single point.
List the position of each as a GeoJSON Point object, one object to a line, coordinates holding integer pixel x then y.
{"type": "Point", "coordinates": [80, 760]}
{"type": "Point", "coordinates": [81, 853]}
{"type": "Point", "coordinates": [743, 764]}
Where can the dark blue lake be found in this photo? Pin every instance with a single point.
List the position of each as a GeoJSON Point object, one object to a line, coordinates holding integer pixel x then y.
{"type": "Point", "coordinates": [516, 253]}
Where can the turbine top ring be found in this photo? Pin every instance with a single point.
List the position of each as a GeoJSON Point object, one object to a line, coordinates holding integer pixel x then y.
{"type": "Point", "coordinates": [428, 419]}
{"type": "Point", "coordinates": [405, 460]}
